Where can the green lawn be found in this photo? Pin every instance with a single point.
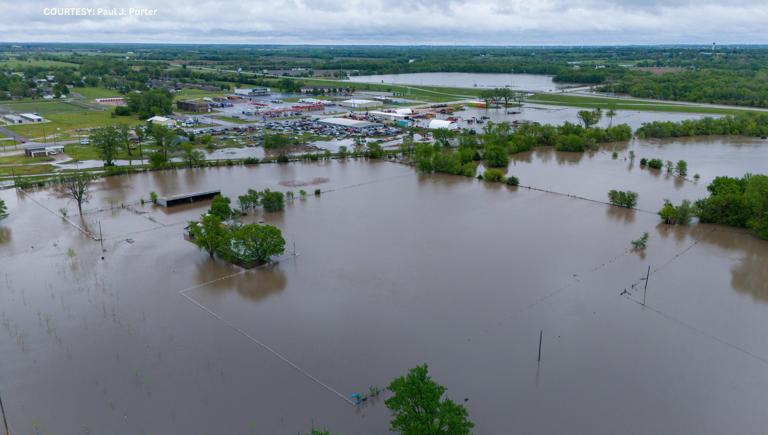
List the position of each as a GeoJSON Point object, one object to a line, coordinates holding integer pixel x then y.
{"type": "Point", "coordinates": [20, 159]}
{"type": "Point", "coordinates": [99, 92]}
{"type": "Point", "coordinates": [624, 104]}
{"type": "Point", "coordinates": [13, 64]}
{"type": "Point", "coordinates": [25, 170]}
{"type": "Point", "coordinates": [43, 107]}
{"type": "Point", "coordinates": [68, 122]}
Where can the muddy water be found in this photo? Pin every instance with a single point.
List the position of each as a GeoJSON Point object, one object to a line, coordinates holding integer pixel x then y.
{"type": "Point", "coordinates": [526, 82]}
{"type": "Point", "coordinates": [394, 269]}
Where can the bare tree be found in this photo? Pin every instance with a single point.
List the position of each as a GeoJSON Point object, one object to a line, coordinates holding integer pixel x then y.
{"type": "Point", "coordinates": [77, 187]}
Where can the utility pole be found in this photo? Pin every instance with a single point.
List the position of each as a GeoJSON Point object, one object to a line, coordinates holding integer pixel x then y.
{"type": "Point", "coordinates": [541, 335]}
{"type": "Point", "coordinates": [101, 238]}
{"type": "Point", "coordinates": [5, 422]}
{"type": "Point", "coordinates": [645, 290]}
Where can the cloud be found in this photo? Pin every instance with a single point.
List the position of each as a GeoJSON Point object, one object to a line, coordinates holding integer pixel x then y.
{"type": "Point", "coordinates": [468, 22]}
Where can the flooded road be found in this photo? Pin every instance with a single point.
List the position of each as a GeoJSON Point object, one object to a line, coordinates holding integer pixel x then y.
{"type": "Point", "coordinates": [394, 269]}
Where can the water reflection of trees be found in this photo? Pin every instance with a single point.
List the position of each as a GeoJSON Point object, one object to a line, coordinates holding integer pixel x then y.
{"type": "Point", "coordinates": [621, 214]}
{"type": "Point", "coordinates": [5, 234]}
{"type": "Point", "coordinates": [255, 284]}
{"type": "Point", "coordinates": [750, 274]}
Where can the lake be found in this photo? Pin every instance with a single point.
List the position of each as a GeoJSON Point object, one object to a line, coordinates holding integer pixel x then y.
{"type": "Point", "coordinates": [518, 82]}
{"type": "Point", "coordinates": [394, 269]}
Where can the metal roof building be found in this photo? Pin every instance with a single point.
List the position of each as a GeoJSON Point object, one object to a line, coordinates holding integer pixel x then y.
{"type": "Point", "coordinates": [436, 124]}
{"type": "Point", "coordinates": [355, 124]}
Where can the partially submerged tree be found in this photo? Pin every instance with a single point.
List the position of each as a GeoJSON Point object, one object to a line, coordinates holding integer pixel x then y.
{"type": "Point", "coordinates": [3, 210]}
{"type": "Point", "coordinates": [621, 198]}
{"type": "Point", "coordinates": [106, 141]}
{"type": "Point", "coordinates": [76, 186]}
{"type": "Point", "coordinates": [590, 117]}
{"type": "Point", "coordinates": [209, 233]}
{"type": "Point", "coordinates": [417, 408]}
{"type": "Point", "coordinates": [258, 243]}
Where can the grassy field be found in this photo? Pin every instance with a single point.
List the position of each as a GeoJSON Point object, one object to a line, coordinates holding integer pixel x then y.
{"type": "Point", "coordinates": [15, 64]}
{"type": "Point", "coordinates": [20, 159]}
{"type": "Point", "coordinates": [624, 104]}
{"type": "Point", "coordinates": [196, 94]}
{"type": "Point", "coordinates": [99, 92]}
{"type": "Point", "coordinates": [68, 122]}
{"type": "Point", "coordinates": [25, 170]}
{"type": "Point", "coordinates": [43, 107]}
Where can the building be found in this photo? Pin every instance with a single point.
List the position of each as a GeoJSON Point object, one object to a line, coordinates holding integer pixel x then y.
{"type": "Point", "coordinates": [437, 124]}
{"type": "Point", "coordinates": [354, 124]}
{"type": "Point", "coordinates": [313, 101]}
{"type": "Point", "coordinates": [312, 89]}
{"type": "Point", "coordinates": [193, 106]}
{"type": "Point", "coordinates": [252, 92]}
{"type": "Point", "coordinates": [392, 116]}
{"type": "Point", "coordinates": [31, 117]}
{"type": "Point", "coordinates": [13, 119]}
{"type": "Point", "coordinates": [42, 150]}
{"type": "Point", "coordinates": [356, 104]}
{"type": "Point", "coordinates": [162, 120]}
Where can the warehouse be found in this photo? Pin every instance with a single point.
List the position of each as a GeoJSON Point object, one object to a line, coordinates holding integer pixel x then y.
{"type": "Point", "coordinates": [31, 117]}
{"type": "Point", "coordinates": [437, 124]}
{"type": "Point", "coordinates": [162, 120]}
{"type": "Point", "coordinates": [252, 92]}
{"type": "Point", "coordinates": [354, 103]}
{"type": "Point", "coordinates": [13, 119]}
{"type": "Point", "coordinates": [353, 124]}
{"type": "Point", "coordinates": [193, 106]}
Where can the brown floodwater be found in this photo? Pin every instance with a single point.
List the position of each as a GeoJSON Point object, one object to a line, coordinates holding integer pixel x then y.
{"type": "Point", "coordinates": [394, 269]}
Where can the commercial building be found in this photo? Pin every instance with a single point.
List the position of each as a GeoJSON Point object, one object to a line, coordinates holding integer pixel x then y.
{"type": "Point", "coordinates": [354, 124]}
{"type": "Point", "coordinates": [162, 120]}
{"type": "Point", "coordinates": [193, 106]}
{"type": "Point", "coordinates": [13, 119]}
{"type": "Point", "coordinates": [31, 117]}
{"type": "Point", "coordinates": [252, 92]}
{"type": "Point", "coordinates": [437, 124]}
{"type": "Point", "coordinates": [42, 150]}
{"type": "Point", "coordinates": [357, 104]}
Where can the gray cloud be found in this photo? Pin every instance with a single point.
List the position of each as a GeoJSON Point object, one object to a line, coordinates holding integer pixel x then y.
{"type": "Point", "coordinates": [491, 22]}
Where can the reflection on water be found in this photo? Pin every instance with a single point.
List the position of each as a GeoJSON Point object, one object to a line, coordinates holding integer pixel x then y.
{"type": "Point", "coordinates": [255, 284]}
{"type": "Point", "coordinates": [5, 234]}
{"type": "Point", "coordinates": [621, 214]}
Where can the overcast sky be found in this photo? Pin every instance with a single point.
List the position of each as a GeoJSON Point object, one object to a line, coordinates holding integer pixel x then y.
{"type": "Point", "coordinates": [399, 22]}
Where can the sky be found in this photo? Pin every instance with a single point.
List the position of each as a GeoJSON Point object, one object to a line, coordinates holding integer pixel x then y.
{"type": "Point", "coordinates": [389, 22]}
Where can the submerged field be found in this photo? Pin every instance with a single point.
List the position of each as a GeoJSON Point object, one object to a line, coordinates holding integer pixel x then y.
{"type": "Point", "coordinates": [394, 269]}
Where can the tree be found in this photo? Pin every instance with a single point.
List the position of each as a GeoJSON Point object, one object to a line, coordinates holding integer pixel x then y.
{"type": "Point", "coordinates": [106, 140]}
{"type": "Point", "coordinates": [191, 156]}
{"type": "Point", "coordinates": [140, 136]}
{"type": "Point", "coordinates": [77, 187]}
{"type": "Point", "coordinates": [590, 117]}
{"type": "Point", "coordinates": [257, 243]}
{"type": "Point", "coordinates": [641, 243]}
{"type": "Point", "coordinates": [209, 234]}
{"type": "Point", "coordinates": [496, 156]}
{"type": "Point", "coordinates": [3, 210]}
{"type": "Point", "coordinates": [220, 207]}
{"type": "Point", "coordinates": [443, 136]}
{"type": "Point", "coordinates": [272, 201]}
{"type": "Point", "coordinates": [681, 168]}
{"type": "Point", "coordinates": [611, 113]}
{"type": "Point", "coordinates": [621, 198]}
{"type": "Point", "coordinates": [417, 409]}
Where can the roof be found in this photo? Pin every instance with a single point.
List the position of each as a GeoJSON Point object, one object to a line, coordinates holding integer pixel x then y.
{"type": "Point", "coordinates": [347, 122]}
{"type": "Point", "coordinates": [159, 119]}
{"type": "Point", "coordinates": [356, 101]}
{"type": "Point", "coordinates": [441, 123]}
{"type": "Point", "coordinates": [30, 116]}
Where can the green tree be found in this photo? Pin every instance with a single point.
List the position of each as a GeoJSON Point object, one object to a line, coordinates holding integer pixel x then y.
{"type": "Point", "coordinates": [443, 136]}
{"type": "Point", "coordinates": [209, 234]}
{"type": "Point", "coordinates": [611, 113]}
{"type": "Point", "coordinates": [590, 117]}
{"type": "Point", "coordinates": [622, 198]}
{"type": "Point", "coordinates": [220, 207]}
{"type": "Point", "coordinates": [3, 210]}
{"type": "Point", "coordinates": [272, 201]}
{"type": "Point", "coordinates": [496, 156]}
{"type": "Point", "coordinates": [106, 140]}
{"type": "Point", "coordinates": [682, 168]}
{"type": "Point", "coordinates": [417, 408]}
{"type": "Point", "coordinates": [257, 243]}
{"type": "Point", "coordinates": [191, 156]}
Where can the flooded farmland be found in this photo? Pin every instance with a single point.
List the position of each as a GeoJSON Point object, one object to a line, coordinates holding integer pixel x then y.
{"type": "Point", "coordinates": [525, 82]}
{"type": "Point", "coordinates": [394, 269]}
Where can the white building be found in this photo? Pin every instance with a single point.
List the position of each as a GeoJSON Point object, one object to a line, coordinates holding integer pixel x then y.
{"type": "Point", "coordinates": [31, 117]}
{"type": "Point", "coordinates": [13, 119]}
{"type": "Point", "coordinates": [354, 124]}
{"type": "Point", "coordinates": [252, 92]}
{"type": "Point", "coordinates": [355, 103]}
{"type": "Point", "coordinates": [162, 120]}
{"type": "Point", "coordinates": [437, 124]}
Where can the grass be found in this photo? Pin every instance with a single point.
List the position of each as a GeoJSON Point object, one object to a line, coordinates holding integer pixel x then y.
{"type": "Point", "coordinates": [196, 94]}
{"type": "Point", "coordinates": [26, 170]}
{"type": "Point", "coordinates": [44, 107]}
{"type": "Point", "coordinates": [22, 159]}
{"type": "Point", "coordinates": [68, 122]}
{"type": "Point", "coordinates": [99, 92]}
{"type": "Point", "coordinates": [15, 64]}
{"type": "Point", "coordinates": [624, 104]}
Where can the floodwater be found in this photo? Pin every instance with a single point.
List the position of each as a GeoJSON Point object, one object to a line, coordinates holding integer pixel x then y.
{"type": "Point", "coordinates": [519, 82]}
{"type": "Point", "coordinates": [394, 269]}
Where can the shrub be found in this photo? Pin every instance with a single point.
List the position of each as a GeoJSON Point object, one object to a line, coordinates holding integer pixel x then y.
{"type": "Point", "coordinates": [153, 197]}
{"type": "Point", "coordinates": [626, 199]}
{"type": "Point", "coordinates": [317, 192]}
{"type": "Point", "coordinates": [655, 163]}
{"type": "Point", "coordinates": [615, 155]}
{"type": "Point", "coordinates": [641, 242]}
{"type": "Point", "coordinates": [512, 180]}
{"type": "Point", "coordinates": [272, 201]}
{"type": "Point", "coordinates": [643, 162]}
{"type": "Point", "coordinates": [682, 168]}
{"type": "Point", "coordinates": [496, 156]}
{"type": "Point", "coordinates": [493, 175]}
{"type": "Point", "coordinates": [469, 169]}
